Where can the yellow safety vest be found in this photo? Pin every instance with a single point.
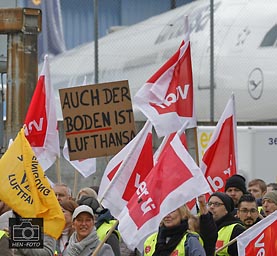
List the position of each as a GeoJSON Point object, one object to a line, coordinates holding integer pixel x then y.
{"type": "Point", "coordinates": [2, 233]}
{"type": "Point", "coordinates": [150, 243]}
{"type": "Point", "coordinates": [104, 229]}
{"type": "Point", "coordinates": [224, 236]}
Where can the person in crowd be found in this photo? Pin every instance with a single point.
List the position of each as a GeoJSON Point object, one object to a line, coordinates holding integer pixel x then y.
{"type": "Point", "coordinates": [257, 188]}
{"type": "Point", "coordinates": [270, 202]}
{"type": "Point", "coordinates": [49, 243]}
{"type": "Point", "coordinates": [68, 207]}
{"type": "Point", "coordinates": [86, 191]}
{"type": "Point", "coordinates": [62, 192]}
{"type": "Point", "coordinates": [221, 206]}
{"type": "Point", "coordinates": [174, 237]}
{"type": "Point", "coordinates": [104, 222]}
{"type": "Point", "coordinates": [84, 240]}
{"type": "Point", "coordinates": [235, 187]}
{"type": "Point", "coordinates": [248, 210]}
{"type": "Point", "coordinates": [271, 186]}
{"type": "Point", "coordinates": [95, 188]}
{"type": "Point", "coordinates": [4, 244]}
{"type": "Point", "coordinates": [3, 207]}
{"type": "Point", "coordinates": [207, 227]}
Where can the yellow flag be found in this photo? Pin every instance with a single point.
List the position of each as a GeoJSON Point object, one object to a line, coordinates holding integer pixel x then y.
{"type": "Point", "coordinates": [25, 189]}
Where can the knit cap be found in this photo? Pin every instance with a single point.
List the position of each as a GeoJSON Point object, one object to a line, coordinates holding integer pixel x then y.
{"type": "Point", "coordinates": [227, 200]}
{"type": "Point", "coordinates": [272, 195]}
{"type": "Point", "coordinates": [236, 181]}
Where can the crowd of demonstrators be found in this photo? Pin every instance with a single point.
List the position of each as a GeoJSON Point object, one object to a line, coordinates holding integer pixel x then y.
{"type": "Point", "coordinates": [223, 218]}
{"type": "Point", "coordinates": [248, 211]}
{"type": "Point", "coordinates": [229, 227]}
{"type": "Point", "coordinates": [174, 237]}
{"type": "Point", "coordinates": [84, 240]}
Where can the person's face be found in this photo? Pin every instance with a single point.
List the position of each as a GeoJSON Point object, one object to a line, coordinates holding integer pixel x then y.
{"type": "Point", "coordinates": [68, 217]}
{"type": "Point", "coordinates": [256, 191]}
{"type": "Point", "coordinates": [61, 193]}
{"type": "Point", "coordinates": [83, 224]}
{"type": "Point", "coordinates": [235, 194]}
{"type": "Point", "coordinates": [248, 213]}
{"type": "Point", "coordinates": [172, 219]}
{"type": "Point", "coordinates": [269, 206]}
{"type": "Point", "coordinates": [217, 207]}
{"type": "Point", "coordinates": [269, 189]}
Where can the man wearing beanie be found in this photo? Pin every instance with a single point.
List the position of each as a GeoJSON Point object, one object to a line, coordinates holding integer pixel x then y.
{"type": "Point", "coordinates": [269, 202]}
{"type": "Point", "coordinates": [221, 206]}
{"type": "Point", "coordinates": [235, 187]}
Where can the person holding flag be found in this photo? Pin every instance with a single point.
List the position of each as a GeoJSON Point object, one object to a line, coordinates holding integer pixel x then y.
{"type": "Point", "coordinates": [221, 206]}
{"type": "Point", "coordinates": [174, 237]}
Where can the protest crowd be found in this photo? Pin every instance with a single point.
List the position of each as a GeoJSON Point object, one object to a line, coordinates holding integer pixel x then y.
{"type": "Point", "coordinates": [161, 204]}
{"type": "Point", "coordinates": [217, 223]}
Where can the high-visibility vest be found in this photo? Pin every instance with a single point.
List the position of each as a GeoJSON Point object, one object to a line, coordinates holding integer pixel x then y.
{"type": "Point", "coordinates": [150, 243]}
{"type": "Point", "coordinates": [104, 229]}
{"type": "Point", "coordinates": [2, 233]}
{"type": "Point", "coordinates": [224, 236]}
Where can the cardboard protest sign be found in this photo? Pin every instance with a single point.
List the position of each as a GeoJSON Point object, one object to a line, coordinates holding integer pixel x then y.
{"type": "Point", "coordinates": [98, 119]}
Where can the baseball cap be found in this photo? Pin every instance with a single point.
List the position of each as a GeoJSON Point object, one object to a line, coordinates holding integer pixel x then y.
{"type": "Point", "coordinates": [80, 209]}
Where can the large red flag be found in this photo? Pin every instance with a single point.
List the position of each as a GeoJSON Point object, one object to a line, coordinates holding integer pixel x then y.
{"type": "Point", "coordinates": [126, 170]}
{"type": "Point", "coordinates": [173, 181]}
{"type": "Point", "coordinates": [166, 99]}
{"type": "Point", "coordinates": [219, 161]}
{"type": "Point", "coordinates": [260, 239]}
{"type": "Point", "coordinates": [41, 125]}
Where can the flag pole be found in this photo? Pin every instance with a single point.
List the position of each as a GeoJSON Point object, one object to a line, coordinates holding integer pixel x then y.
{"type": "Point", "coordinates": [75, 183]}
{"type": "Point", "coordinates": [58, 169]}
{"type": "Point", "coordinates": [121, 166]}
{"type": "Point", "coordinates": [105, 238]}
{"type": "Point", "coordinates": [226, 245]}
{"type": "Point", "coordinates": [196, 146]}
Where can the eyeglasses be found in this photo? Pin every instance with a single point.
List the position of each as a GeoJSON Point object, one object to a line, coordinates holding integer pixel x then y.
{"type": "Point", "coordinates": [246, 211]}
{"type": "Point", "coordinates": [216, 204]}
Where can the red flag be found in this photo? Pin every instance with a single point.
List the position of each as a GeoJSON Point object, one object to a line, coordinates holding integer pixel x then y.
{"type": "Point", "coordinates": [167, 97]}
{"type": "Point", "coordinates": [260, 239]}
{"type": "Point", "coordinates": [173, 181]}
{"type": "Point", "coordinates": [166, 141]}
{"type": "Point", "coordinates": [219, 161]}
{"type": "Point", "coordinates": [126, 170]}
{"type": "Point", "coordinates": [41, 125]}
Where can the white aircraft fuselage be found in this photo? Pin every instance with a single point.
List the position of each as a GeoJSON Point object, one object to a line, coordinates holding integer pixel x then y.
{"type": "Point", "coordinates": [245, 56]}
